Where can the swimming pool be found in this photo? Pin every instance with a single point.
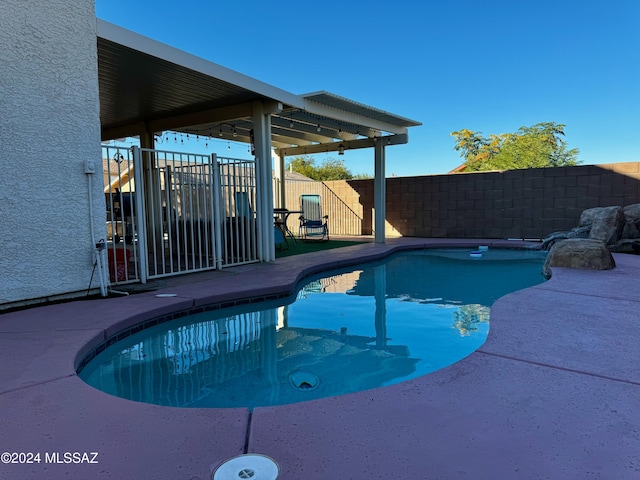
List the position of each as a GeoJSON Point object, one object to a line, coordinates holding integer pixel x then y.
{"type": "Point", "coordinates": [349, 330]}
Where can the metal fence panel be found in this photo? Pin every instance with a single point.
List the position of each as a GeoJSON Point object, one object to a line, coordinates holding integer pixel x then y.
{"type": "Point", "coordinates": [179, 199]}
{"type": "Point", "coordinates": [170, 213]}
{"type": "Point", "coordinates": [122, 229]}
{"type": "Point", "coordinates": [238, 211]}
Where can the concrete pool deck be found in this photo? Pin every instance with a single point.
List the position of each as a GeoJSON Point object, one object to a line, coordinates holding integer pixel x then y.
{"type": "Point", "coordinates": [553, 393]}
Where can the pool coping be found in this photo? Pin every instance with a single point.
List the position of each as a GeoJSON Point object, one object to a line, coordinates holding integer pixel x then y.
{"type": "Point", "coordinates": [555, 421]}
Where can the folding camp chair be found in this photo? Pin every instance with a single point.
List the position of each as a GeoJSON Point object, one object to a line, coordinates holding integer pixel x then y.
{"type": "Point", "coordinates": [243, 205]}
{"type": "Point", "coordinates": [313, 225]}
{"type": "Point", "coordinates": [279, 238]}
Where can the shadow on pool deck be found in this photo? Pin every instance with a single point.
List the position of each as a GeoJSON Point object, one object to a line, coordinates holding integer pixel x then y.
{"type": "Point", "coordinates": [553, 393]}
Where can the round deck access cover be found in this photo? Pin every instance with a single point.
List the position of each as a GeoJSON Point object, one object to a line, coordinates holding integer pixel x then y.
{"type": "Point", "coordinates": [253, 466]}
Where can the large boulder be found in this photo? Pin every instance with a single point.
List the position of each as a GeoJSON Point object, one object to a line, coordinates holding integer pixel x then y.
{"type": "Point", "coordinates": [625, 245]}
{"type": "Point", "coordinates": [578, 253]}
{"type": "Point", "coordinates": [632, 221]}
{"type": "Point", "coordinates": [607, 223]}
{"type": "Point", "coordinates": [587, 216]}
{"type": "Point", "coordinates": [617, 227]}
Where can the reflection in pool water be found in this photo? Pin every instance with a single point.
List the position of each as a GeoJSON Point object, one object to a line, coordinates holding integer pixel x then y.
{"type": "Point", "coordinates": [357, 329]}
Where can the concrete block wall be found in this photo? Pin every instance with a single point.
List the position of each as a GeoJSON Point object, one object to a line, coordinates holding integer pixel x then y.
{"type": "Point", "coordinates": [513, 204]}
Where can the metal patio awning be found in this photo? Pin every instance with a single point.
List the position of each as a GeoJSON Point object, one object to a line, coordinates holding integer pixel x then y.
{"type": "Point", "coordinates": [149, 86]}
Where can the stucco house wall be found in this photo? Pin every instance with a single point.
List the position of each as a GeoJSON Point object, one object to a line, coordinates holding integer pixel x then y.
{"type": "Point", "coordinates": [49, 131]}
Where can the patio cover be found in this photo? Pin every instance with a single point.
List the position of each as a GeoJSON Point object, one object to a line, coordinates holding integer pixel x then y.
{"type": "Point", "coordinates": [147, 87]}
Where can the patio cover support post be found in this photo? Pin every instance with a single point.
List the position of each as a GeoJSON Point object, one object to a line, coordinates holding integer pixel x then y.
{"type": "Point", "coordinates": [379, 192]}
{"type": "Point", "coordinates": [280, 177]}
{"type": "Point", "coordinates": [152, 189]}
{"type": "Point", "coordinates": [140, 211]}
{"type": "Point", "coordinates": [146, 138]}
{"type": "Point", "coordinates": [217, 210]}
{"type": "Point", "coordinates": [264, 188]}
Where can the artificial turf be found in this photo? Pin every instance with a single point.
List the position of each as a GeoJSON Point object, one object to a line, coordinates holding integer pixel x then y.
{"type": "Point", "coordinates": [311, 246]}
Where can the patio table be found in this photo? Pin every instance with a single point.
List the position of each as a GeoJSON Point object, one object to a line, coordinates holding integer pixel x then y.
{"type": "Point", "coordinates": [280, 220]}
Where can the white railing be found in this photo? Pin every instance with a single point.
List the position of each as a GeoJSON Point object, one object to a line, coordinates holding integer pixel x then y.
{"type": "Point", "coordinates": [122, 230]}
{"type": "Point", "coordinates": [177, 198]}
{"type": "Point", "coordinates": [170, 213]}
{"type": "Point", "coordinates": [238, 201]}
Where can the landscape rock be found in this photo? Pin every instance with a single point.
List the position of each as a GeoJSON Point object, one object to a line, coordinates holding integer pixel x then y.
{"type": "Point", "coordinates": [607, 224]}
{"type": "Point", "coordinates": [582, 253]}
{"type": "Point", "coordinates": [632, 221]}
{"type": "Point", "coordinates": [617, 227]}
{"type": "Point", "coordinates": [625, 245]}
{"type": "Point", "coordinates": [577, 232]}
{"type": "Point", "coordinates": [587, 216]}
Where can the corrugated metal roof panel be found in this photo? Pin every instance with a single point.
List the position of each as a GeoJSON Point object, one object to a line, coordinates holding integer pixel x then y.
{"type": "Point", "coordinates": [141, 80]}
{"type": "Point", "coordinates": [342, 103]}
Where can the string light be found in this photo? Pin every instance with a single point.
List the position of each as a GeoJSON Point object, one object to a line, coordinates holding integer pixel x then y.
{"type": "Point", "coordinates": [208, 137]}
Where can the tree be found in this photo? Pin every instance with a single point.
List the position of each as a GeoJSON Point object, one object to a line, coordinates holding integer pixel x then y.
{"type": "Point", "coordinates": [303, 166]}
{"type": "Point", "coordinates": [540, 145]}
{"type": "Point", "coordinates": [329, 169]}
{"type": "Point", "coordinates": [366, 176]}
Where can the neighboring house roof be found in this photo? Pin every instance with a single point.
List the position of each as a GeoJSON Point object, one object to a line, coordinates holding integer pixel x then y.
{"type": "Point", "coordinates": [296, 177]}
{"type": "Point", "coordinates": [459, 168]}
{"type": "Point", "coordinates": [116, 175]}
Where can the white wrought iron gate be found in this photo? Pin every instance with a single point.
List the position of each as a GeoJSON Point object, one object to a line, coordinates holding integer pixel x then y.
{"type": "Point", "coordinates": [238, 210]}
{"type": "Point", "coordinates": [171, 213]}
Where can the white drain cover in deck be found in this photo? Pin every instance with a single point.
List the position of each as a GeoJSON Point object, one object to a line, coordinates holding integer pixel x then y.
{"type": "Point", "coordinates": [251, 466]}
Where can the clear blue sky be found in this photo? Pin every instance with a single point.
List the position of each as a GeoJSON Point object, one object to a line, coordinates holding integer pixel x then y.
{"type": "Point", "coordinates": [490, 66]}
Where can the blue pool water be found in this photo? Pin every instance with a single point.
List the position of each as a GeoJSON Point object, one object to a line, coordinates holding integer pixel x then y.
{"type": "Point", "coordinates": [368, 326]}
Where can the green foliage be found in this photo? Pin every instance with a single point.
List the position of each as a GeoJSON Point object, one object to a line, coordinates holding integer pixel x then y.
{"type": "Point", "coordinates": [329, 169]}
{"type": "Point", "coordinates": [303, 166]}
{"type": "Point", "coordinates": [540, 145]}
{"type": "Point", "coordinates": [365, 176]}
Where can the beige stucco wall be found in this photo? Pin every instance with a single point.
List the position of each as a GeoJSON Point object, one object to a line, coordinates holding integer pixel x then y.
{"type": "Point", "coordinates": [50, 127]}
